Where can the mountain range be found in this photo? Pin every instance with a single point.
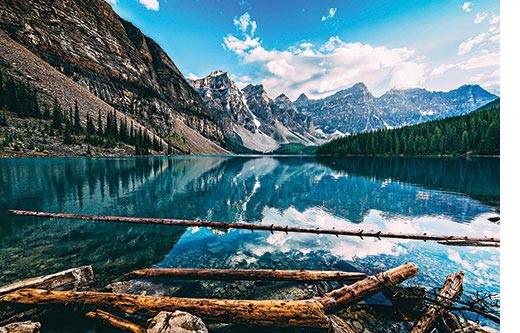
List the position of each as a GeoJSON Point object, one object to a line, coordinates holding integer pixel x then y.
{"type": "Point", "coordinates": [82, 51]}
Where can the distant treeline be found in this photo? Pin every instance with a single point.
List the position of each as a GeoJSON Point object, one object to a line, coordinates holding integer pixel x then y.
{"type": "Point", "coordinates": [23, 99]}
{"type": "Point", "coordinates": [475, 133]}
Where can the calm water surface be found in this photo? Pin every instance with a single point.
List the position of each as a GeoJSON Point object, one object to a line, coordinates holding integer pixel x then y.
{"type": "Point", "coordinates": [442, 196]}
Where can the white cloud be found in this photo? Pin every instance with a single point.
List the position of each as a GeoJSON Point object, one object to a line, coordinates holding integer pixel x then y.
{"type": "Point", "coordinates": [244, 23]}
{"type": "Point", "coordinates": [330, 14]}
{"type": "Point", "coordinates": [320, 70]}
{"type": "Point", "coordinates": [240, 46]}
{"type": "Point", "coordinates": [480, 17]}
{"type": "Point", "coordinates": [466, 46]}
{"type": "Point", "coordinates": [150, 4]}
{"type": "Point", "coordinates": [484, 38]}
{"type": "Point", "coordinates": [408, 75]}
{"type": "Point", "coordinates": [466, 6]}
{"type": "Point", "coordinates": [486, 60]}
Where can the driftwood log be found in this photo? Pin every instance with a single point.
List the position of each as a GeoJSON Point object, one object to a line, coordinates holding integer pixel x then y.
{"type": "Point", "coordinates": [115, 321]}
{"type": "Point", "coordinates": [307, 313]}
{"type": "Point", "coordinates": [449, 292]}
{"type": "Point", "coordinates": [278, 313]}
{"type": "Point", "coordinates": [70, 278]}
{"type": "Point", "coordinates": [246, 274]}
{"type": "Point", "coordinates": [21, 327]}
{"type": "Point", "coordinates": [347, 295]}
{"type": "Point", "coordinates": [474, 241]}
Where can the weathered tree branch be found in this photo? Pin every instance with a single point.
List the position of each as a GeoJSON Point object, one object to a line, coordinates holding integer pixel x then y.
{"type": "Point", "coordinates": [247, 274]}
{"type": "Point", "coordinates": [449, 292]}
{"type": "Point", "coordinates": [75, 277]}
{"type": "Point", "coordinates": [115, 321]}
{"type": "Point", "coordinates": [347, 295]}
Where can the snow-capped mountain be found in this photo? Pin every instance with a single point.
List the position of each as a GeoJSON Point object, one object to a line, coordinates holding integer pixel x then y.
{"type": "Point", "coordinates": [355, 109]}
{"type": "Point", "coordinates": [250, 118]}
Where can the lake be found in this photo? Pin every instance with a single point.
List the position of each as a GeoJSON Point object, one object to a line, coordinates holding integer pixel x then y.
{"type": "Point", "coordinates": [433, 195]}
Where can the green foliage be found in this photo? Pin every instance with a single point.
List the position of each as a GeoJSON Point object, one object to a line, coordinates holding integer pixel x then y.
{"type": "Point", "coordinates": [3, 119]}
{"type": "Point", "coordinates": [474, 133]}
{"type": "Point", "coordinates": [20, 98]}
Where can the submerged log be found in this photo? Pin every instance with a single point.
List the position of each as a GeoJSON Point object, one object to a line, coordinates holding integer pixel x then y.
{"type": "Point", "coordinates": [74, 277]}
{"type": "Point", "coordinates": [115, 321]}
{"type": "Point", "coordinates": [279, 313]}
{"type": "Point", "coordinates": [251, 226]}
{"type": "Point", "coordinates": [247, 274]}
{"type": "Point", "coordinates": [347, 295]}
{"type": "Point", "coordinates": [449, 292]}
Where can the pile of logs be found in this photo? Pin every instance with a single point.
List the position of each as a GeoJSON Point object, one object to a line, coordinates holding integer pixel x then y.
{"type": "Point", "coordinates": [48, 290]}
{"type": "Point", "coordinates": [69, 288]}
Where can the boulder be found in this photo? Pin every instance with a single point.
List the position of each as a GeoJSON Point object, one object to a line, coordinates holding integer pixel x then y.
{"type": "Point", "coordinates": [21, 327]}
{"type": "Point", "coordinates": [176, 322]}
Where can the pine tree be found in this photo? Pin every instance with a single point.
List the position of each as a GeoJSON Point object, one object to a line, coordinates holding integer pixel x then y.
{"type": "Point", "coordinates": [78, 129]}
{"type": "Point", "coordinates": [100, 125]}
{"type": "Point", "coordinates": [57, 115]}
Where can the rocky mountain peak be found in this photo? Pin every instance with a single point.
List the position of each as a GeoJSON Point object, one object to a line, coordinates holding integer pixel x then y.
{"type": "Point", "coordinates": [301, 99]}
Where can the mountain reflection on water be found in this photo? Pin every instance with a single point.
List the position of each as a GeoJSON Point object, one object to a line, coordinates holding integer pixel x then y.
{"type": "Point", "coordinates": [442, 196]}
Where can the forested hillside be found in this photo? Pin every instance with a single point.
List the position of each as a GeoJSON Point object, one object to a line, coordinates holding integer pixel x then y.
{"type": "Point", "coordinates": [31, 112]}
{"type": "Point", "coordinates": [475, 133]}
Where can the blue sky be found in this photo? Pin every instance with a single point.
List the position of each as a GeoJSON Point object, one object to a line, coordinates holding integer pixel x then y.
{"type": "Point", "coordinates": [319, 47]}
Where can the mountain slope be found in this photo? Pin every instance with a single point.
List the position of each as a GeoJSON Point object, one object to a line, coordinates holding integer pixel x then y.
{"type": "Point", "coordinates": [250, 119]}
{"type": "Point", "coordinates": [356, 110]}
{"type": "Point", "coordinates": [88, 42]}
{"type": "Point", "coordinates": [475, 133]}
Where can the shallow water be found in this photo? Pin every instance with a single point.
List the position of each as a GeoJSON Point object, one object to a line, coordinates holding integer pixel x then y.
{"type": "Point", "coordinates": [434, 195]}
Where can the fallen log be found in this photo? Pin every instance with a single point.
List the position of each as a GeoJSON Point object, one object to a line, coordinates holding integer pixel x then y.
{"type": "Point", "coordinates": [278, 313]}
{"type": "Point", "coordinates": [246, 274]}
{"type": "Point", "coordinates": [115, 321]}
{"type": "Point", "coordinates": [74, 277]}
{"type": "Point", "coordinates": [347, 295]}
{"type": "Point", "coordinates": [449, 292]}
{"type": "Point", "coordinates": [251, 226]}
{"type": "Point", "coordinates": [21, 327]}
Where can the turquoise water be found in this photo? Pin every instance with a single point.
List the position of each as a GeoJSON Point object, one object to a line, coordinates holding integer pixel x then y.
{"type": "Point", "coordinates": [434, 195]}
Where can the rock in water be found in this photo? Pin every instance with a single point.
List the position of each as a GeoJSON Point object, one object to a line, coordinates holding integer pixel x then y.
{"type": "Point", "coordinates": [21, 327]}
{"type": "Point", "coordinates": [176, 322]}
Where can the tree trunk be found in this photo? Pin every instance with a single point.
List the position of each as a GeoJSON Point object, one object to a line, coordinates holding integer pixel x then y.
{"type": "Point", "coordinates": [114, 321]}
{"type": "Point", "coordinates": [347, 295]}
{"type": "Point", "coordinates": [247, 274]}
{"type": "Point", "coordinates": [473, 241]}
{"type": "Point", "coordinates": [306, 313]}
{"type": "Point", "coordinates": [73, 277]}
{"type": "Point", "coordinates": [449, 292]}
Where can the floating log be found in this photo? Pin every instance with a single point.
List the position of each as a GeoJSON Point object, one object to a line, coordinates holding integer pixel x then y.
{"type": "Point", "coordinates": [251, 226]}
{"type": "Point", "coordinates": [449, 292]}
{"type": "Point", "coordinates": [74, 277]}
{"type": "Point", "coordinates": [347, 295]}
{"type": "Point", "coordinates": [278, 313]}
{"type": "Point", "coordinates": [115, 321]}
{"type": "Point", "coordinates": [246, 274]}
